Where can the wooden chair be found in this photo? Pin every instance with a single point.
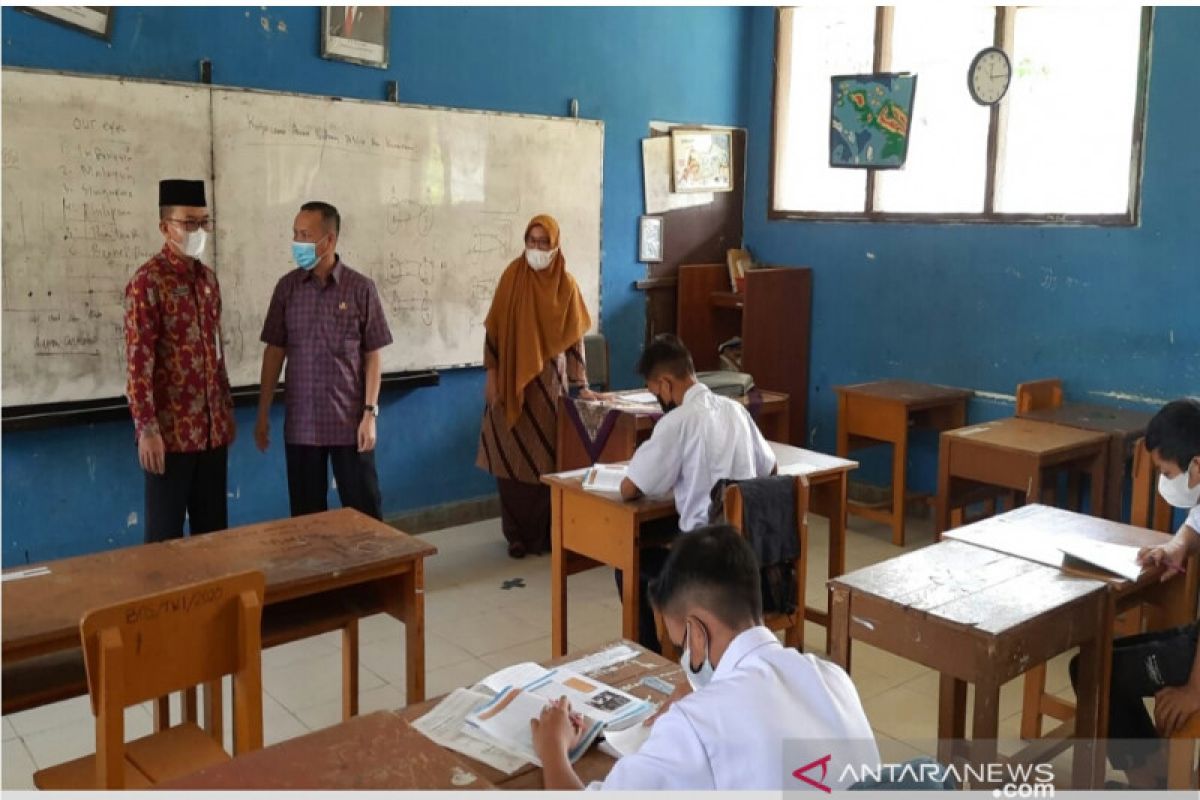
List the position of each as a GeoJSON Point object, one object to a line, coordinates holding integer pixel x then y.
{"type": "Point", "coordinates": [595, 354]}
{"type": "Point", "coordinates": [792, 624]}
{"type": "Point", "coordinates": [1039, 395]}
{"type": "Point", "coordinates": [144, 649]}
{"type": "Point", "coordinates": [1046, 395]}
{"type": "Point", "coordinates": [1147, 509]}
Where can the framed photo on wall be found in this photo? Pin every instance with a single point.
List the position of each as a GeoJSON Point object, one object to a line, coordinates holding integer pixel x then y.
{"type": "Point", "coordinates": [701, 160]}
{"type": "Point", "coordinates": [92, 20]}
{"type": "Point", "coordinates": [650, 239]}
{"type": "Point", "coordinates": [358, 34]}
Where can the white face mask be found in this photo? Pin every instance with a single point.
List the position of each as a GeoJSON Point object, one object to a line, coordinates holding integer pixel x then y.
{"type": "Point", "coordinates": [539, 259]}
{"type": "Point", "coordinates": [702, 677]}
{"type": "Point", "coordinates": [193, 243]}
{"type": "Point", "coordinates": [1176, 492]}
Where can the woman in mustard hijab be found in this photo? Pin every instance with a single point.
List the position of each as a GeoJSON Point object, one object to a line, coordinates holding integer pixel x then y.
{"type": "Point", "coordinates": [533, 355]}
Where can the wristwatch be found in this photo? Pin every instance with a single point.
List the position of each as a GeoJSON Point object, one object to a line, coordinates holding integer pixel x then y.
{"type": "Point", "coordinates": [373, 409]}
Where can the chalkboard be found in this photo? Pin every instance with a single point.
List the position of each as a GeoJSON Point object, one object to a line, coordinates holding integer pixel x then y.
{"type": "Point", "coordinates": [433, 201]}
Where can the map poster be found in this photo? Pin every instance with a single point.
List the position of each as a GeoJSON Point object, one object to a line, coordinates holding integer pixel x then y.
{"type": "Point", "coordinates": [869, 120]}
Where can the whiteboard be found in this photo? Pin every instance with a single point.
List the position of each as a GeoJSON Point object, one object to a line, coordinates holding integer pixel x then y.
{"type": "Point", "coordinates": [433, 201]}
{"type": "Point", "coordinates": [434, 204]}
{"type": "Point", "coordinates": [82, 158]}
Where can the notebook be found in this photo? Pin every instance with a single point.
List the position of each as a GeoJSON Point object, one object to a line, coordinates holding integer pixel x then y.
{"type": "Point", "coordinates": [1119, 559]}
{"type": "Point", "coordinates": [604, 478]}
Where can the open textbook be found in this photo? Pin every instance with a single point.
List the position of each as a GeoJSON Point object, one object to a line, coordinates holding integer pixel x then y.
{"type": "Point", "coordinates": [1119, 559]}
{"type": "Point", "coordinates": [490, 721]}
{"type": "Point", "coordinates": [604, 478]}
{"type": "Point", "coordinates": [504, 720]}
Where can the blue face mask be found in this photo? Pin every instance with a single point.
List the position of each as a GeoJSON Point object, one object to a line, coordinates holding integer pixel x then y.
{"type": "Point", "coordinates": [305, 254]}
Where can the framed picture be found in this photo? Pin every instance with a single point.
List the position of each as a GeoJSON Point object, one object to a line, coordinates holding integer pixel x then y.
{"type": "Point", "coordinates": [650, 239]}
{"type": "Point", "coordinates": [869, 120]}
{"type": "Point", "coordinates": [92, 20]}
{"type": "Point", "coordinates": [701, 160]}
{"type": "Point", "coordinates": [358, 34]}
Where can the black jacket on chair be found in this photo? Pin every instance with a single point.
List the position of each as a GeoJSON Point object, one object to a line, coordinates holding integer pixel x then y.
{"type": "Point", "coordinates": [769, 521]}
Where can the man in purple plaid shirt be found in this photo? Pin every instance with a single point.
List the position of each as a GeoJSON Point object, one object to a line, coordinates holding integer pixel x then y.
{"type": "Point", "coordinates": [327, 323]}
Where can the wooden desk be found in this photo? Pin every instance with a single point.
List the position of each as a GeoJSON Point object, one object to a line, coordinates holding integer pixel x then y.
{"type": "Point", "coordinates": [1031, 533]}
{"type": "Point", "coordinates": [383, 750]}
{"type": "Point", "coordinates": [769, 409]}
{"type": "Point", "coordinates": [590, 529]}
{"type": "Point", "coordinates": [828, 480]}
{"type": "Point", "coordinates": [373, 752]}
{"type": "Point", "coordinates": [1014, 454]}
{"type": "Point", "coordinates": [321, 570]}
{"type": "Point", "coordinates": [981, 617]}
{"type": "Point", "coordinates": [594, 765]}
{"type": "Point", "coordinates": [883, 412]}
{"type": "Point", "coordinates": [1123, 426]}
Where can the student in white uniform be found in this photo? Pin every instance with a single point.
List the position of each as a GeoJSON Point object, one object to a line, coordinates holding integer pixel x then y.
{"type": "Point", "coordinates": [1163, 664]}
{"type": "Point", "coordinates": [754, 706]}
{"type": "Point", "coordinates": [701, 439]}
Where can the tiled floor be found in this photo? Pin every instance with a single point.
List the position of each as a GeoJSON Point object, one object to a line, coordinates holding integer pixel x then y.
{"type": "Point", "coordinates": [475, 626]}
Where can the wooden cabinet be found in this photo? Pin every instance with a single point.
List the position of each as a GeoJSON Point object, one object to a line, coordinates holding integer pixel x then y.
{"type": "Point", "coordinates": [773, 316]}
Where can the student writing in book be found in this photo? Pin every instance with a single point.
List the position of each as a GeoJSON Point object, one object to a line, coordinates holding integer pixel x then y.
{"type": "Point", "coordinates": [754, 705]}
{"type": "Point", "coordinates": [1164, 664]}
{"type": "Point", "coordinates": [701, 439]}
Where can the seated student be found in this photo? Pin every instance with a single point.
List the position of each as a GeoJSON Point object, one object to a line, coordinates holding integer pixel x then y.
{"type": "Point", "coordinates": [753, 704]}
{"type": "Point", "coordinates": [701, 439]}
{"type": "Point", "coordinates": [1164, 664]}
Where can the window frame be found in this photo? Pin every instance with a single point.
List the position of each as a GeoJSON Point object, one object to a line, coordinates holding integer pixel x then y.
{"type": "Point", "coordinates": [1003, 37]}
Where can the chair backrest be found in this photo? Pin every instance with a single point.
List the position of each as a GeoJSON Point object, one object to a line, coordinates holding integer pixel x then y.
{"type": "Point", "coordinates": [735, 512]}
{"type": "Point", "coordinates": [595, 354]}
{"type": "Point", "coordinates": [735, 506]}
{"type": "Point", "coordinates": [1039, 395]}
{"type": "Point", "coordinates": [150, 646]}
{"type": "Point", "coordinates": [1141, 499]}
{"type": "Point", "coordinates": [1146, 508]}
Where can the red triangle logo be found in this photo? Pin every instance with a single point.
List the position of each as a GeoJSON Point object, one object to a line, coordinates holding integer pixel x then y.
{"type": "Point", "coordinates": [823, 763]}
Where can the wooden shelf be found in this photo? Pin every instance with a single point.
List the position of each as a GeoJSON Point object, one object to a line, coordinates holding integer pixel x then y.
{"type": "Point", "coordinates": [648, 284]}
{"type": "Point", "coordinates": [773, 315]}
{"type": "Point", "coordinates": [728, 300]}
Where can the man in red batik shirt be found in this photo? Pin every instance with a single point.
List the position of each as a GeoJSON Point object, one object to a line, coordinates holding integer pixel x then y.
{"type": "Point", "coordinates": [177, 387]}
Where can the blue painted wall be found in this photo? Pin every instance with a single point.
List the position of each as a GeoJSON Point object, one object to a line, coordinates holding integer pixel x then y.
{"type": "Point", "coordinates": [1112, 311]}
{"type": "Point", "coordinates": [73, 490]}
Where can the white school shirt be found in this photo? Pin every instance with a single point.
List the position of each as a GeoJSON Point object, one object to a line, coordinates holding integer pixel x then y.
{"type": "Point", "coordinates": [739, 732]}
{"type": "Point", "coordinates": [1193, 519]}
{"type": "Point", "coordinates": [707, 438]}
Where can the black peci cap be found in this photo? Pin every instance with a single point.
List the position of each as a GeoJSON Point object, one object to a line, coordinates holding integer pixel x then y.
{"type": "Point", "coordinates": [177, 192]}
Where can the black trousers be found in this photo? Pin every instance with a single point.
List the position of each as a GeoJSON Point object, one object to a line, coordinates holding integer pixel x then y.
{"type": "Point", "coordinates": [652, 560]}
{"type": "Point", "coordinates": [308, 479]}
{"type": "Point", "coordinates": [193, 486]}
{"type": "Point", "coordinates": [1141, 666]}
